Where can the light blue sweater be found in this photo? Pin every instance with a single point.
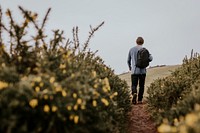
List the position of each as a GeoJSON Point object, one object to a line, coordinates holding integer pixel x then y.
{"type": "Point", "coordinates": [132, 58]}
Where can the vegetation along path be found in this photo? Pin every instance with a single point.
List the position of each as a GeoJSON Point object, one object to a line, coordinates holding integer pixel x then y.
{"type": "Point", "coordinates": [139, 116]}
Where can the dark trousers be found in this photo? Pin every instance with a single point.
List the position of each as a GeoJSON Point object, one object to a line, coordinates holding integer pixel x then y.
{"type": "Point", "coordinates": [135, 78]}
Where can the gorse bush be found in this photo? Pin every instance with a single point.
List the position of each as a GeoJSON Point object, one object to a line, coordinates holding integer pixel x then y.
{"type": "Point", "coordinates": [176, 95]}
{"type": "Point", "coordinates": [57, 86]}
{"type": "Point", "coordinates": [187, 124]}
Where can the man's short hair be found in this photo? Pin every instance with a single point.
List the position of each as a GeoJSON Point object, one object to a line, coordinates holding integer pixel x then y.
{"type": "Point", "coordinates": [140, 41]}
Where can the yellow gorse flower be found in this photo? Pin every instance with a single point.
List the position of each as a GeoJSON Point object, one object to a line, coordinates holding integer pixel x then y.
{"type": "Point", "coordinates": [76, 119]}
{"type": "Point", "coordinates": [58, 88]}
{"type": "Point", "coordinates": [46, 108]}
{"type": "Point", "coordinates": [82, 107]}
{"type": "Point", "coordinates": [64, 71]}
{"type": "Point", "coordinates": [191, 119]}
{"type": "Point", "coordinates": [94, 103]}
{"type": "Point", "coordinates": [37, 79]}
{"type": "Point", "coordinates": [54, 108]}
{"type": "Point", "coordinates": [71, 117]}
{"type": "Point", "coordinates": [165, 128]}
{"type": "Point", "coordinates": [105, 101]}
{"type": "Point", "coordinates": [41, 84]}
{"type": "Point", "coordinates": [46, 97]}
{"type": "Point", "coordinates": [62, 66]}
{"type": "Point", "coordinates": [95, 86]}
{"type": "Point", "coordinates": [69, 107]}
{"type": "Point", "coordinates": [52, 80]}
{"type": "Point", "coordinates": [113, 95]}
{"type": "Point", "coordinates": [33, 103]}
{"type": "Point", "coordinates": [3, 85]}
{"type": "Point", "coordinates": [74, 95]}
{"type": "Point", "coordinates": [94, 74]}
{"type": "Point", "coordinates": [37, 88]}
{"type": "Point", "coordinates": [19, 58]}
{"type": "Point", "coordinates": [3, 65]}
{"type": "Point", "coordinates": [64, 93]}
{"type": "Point", "coordinates": [106, 86]}
{"type": "Point", "coordinates": [79, 101]}
{"type": "Point", "coordinates": [76, 107]}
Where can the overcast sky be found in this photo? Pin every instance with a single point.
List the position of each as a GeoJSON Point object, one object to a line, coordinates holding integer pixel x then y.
{"type": "Point", "coordinates": [171, 29]}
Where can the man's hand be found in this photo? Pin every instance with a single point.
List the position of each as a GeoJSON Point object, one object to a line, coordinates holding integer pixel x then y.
{"type": "Point", "coordinates": [129, 68]}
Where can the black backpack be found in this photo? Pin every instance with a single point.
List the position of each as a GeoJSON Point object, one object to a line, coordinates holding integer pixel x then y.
{"type": "Point", "coordinates": [142, 58]}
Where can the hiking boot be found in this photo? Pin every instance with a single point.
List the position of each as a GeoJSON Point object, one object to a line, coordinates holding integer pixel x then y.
{"type": "Point", "coordinates": [134, 98]}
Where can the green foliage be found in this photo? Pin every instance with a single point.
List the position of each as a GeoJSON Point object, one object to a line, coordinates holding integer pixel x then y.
{"type": "Point", "coordinates": [177, 94]}
{"type": "Point", "coordinates": [56, 86]}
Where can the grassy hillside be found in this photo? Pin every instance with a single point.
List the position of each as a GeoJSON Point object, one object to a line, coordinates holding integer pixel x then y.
{"type": "Point", "coordinates": [152, 74]}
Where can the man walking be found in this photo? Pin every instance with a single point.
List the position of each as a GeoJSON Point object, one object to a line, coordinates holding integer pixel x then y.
{"type": "Point", "coordinates": [137, 65]}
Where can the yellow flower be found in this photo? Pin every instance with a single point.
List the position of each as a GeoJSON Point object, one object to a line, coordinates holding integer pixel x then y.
{"type": "Point", "coordinates": [94, 103]}
{"type": "Point", "coordinates": [191, 119]}
{"type": "Point", "coordinates": [183, 129]}
{"type": "Point", "coordinates": [74, 95]}
{"type": "Point", "coordinates": [24, 78]}
{"type": "Point", "coordinates": [46, 97]}
{"type": "Point", "coordinates": [3, 85]}
{"type": "Point", "coordinates": [76, 118]}
{"type": "Point", "coordinates": [106, 81]}
{"type": "Point", "coordinates": [106, 86]}
{"type": "Point", "coordinates": [46, 108]}
{"type": "Point", "coordinates": [32, 84]}
{"type": "Point", "coordinates": [94, 74]}
{"type": "Point", "coordinates": [95, 93]}
{"type": "Point", "coordinates": [36, 69]}
{"type": "Point", "coordinates": [19, 58]}
{"type": "Point", "coordinates": [71, 117]}
{"type": "Point", "coordinates": [95, 86]}
{"type": "Point", "coordinates": [37, 88]}
{"type": "Point", "coordinates": [79, 101]}
{"type": "Point", "coordinates": [106, 103]}
{"type": "Point", "coordinates": [69, 107]}
{"type": "Point", "coordinates": [62, 66]}
{"type": "Point", "coordinates": [105, 89]}
{"type": "Point", "coordinates": [37, 79]}
{"type": "Point", "coordinates": [176, 122]}
{"type": "Point", "coordinates": [82, 107]}
{"type": "Point", "coordinates": [116, 93]}
{"type": "Point", "coordinates": [41, 84]}
{"type": "Point", "coordinates": [54, 108]}
{"type": "Point", "coordinates": [164, 128]}
{"type": "Point", "coordinates": [33, 103]}
{"type": "Point", "coordinates": [52, 80]}
{"type": "Point", "coordinates": [3, 65]}
{"type": "Point", "coordinates": [58, 88]}
{"type": "Point", "coordinates": [64, 71]}
{"type": "Point", "coordinates": [113, 95]}
{"type": "Point", "coordinates": [75, 107]}
{"type": "Point", "coordinates": [64, 94]}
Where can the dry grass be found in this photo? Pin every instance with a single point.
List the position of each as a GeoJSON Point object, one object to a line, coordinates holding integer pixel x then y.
{"type": "Point", "coordinates": [152, 74]}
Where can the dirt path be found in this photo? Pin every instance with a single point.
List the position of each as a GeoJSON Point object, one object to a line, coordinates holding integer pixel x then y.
{"type": "Point", "coordinates": [139, 116]}
{"type": "Point", "coordinates": [140, 121]}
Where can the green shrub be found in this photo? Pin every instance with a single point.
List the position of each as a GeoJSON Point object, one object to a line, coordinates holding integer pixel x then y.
{"type": "Point", "coordinates": [57, 86]}
{"type": "Point", "coordinates": [177, 94]}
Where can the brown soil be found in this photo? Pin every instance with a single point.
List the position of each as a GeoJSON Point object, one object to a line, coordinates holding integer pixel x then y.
{"type": "Point", "coordinates": [140, 121]}
{"type": "Point", "coordinates": [139, 116]}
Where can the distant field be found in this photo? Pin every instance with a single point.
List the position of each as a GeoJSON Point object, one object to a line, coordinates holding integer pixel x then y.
{"type": "Point", "coordinates": [152, 74]}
